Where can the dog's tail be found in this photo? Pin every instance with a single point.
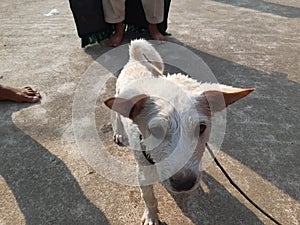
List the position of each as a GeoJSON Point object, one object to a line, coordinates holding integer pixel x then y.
{"type": "Point", "coordinates": [142, 51]}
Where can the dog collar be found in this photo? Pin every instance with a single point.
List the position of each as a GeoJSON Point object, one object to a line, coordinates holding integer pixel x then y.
{"type": "Point", "coordinates": [146, 154]}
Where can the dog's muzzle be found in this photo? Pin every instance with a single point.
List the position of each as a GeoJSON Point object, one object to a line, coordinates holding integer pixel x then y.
{"type": "Point", "coordinates": [183, 181]}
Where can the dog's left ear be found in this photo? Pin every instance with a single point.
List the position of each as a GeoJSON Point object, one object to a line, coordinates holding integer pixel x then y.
{"type": "Point", "coordinates": [127, 107]}
{"type": "Point", "coordinates": [217, 100]}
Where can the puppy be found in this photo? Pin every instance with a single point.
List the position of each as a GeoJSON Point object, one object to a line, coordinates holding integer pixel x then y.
{"type": "Point", "coordinates": [166, 121]}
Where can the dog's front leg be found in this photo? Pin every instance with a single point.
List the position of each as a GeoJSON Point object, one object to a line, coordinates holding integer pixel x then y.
{"type": "Point", "coordinates": [120, 136]}
{"type": "Point", "coordinates": [150, 216]}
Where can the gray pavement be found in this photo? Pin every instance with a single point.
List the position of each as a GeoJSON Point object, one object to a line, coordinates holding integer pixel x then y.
{"type": "Point", "coordinates": [45, 180]}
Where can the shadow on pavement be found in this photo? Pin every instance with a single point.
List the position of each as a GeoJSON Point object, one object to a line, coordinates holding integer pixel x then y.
{"type": "Point", "coordinates": [264, 6]}
{"type": "Point", "coordinates": [45, 189]}
{"type": "Point", "coordinates": [217, 206]}
{"type": "Point", "coordinates": [262, 130]}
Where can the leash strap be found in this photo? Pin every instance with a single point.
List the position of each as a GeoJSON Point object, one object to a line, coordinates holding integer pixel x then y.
{"type": "Point", "coordinates": [237, 187]}
{"type": "Point", "coordinates": [146, 155]}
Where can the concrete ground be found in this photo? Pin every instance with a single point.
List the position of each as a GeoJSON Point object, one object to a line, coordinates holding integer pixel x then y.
{"type": "Point", "coordinates": [45, 180]}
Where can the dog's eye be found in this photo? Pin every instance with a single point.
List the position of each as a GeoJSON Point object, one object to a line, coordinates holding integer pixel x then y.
{"type": "Point", "coordinates": [158, 127]}
{"type": "Point", "coordinates": [200, 129]}
{"type": "Point", "coordinates": [157, 131]}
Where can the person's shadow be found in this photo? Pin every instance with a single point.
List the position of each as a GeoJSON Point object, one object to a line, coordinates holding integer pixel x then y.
{"type": "Point", "coordinates": [43, 186]}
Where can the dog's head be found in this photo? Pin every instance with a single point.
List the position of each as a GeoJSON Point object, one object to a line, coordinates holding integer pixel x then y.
{"type": "Point", "coordinates": [175, 133]}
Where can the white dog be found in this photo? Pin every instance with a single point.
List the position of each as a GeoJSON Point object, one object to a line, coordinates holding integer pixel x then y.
{"type": "Point", "coordinates": [166, 120]}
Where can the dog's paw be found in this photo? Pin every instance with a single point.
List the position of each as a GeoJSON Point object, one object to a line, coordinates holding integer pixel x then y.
{"type": "Point", "coordinates": [120, 139]}
{"type": "Point", "coordinates": [150, 218]}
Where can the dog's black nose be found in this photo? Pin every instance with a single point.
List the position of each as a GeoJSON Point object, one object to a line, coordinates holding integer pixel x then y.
{"type": "Point", "coordinates": [183, 180]}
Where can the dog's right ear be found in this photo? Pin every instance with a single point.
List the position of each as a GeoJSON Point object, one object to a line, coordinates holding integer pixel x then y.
{"type": "Point", "coordinates": [215, 101]}
{"type": "Point", "coordinates": [129, 108]}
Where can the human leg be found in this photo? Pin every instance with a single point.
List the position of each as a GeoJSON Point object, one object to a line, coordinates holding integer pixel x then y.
{"type": "Point", "coordinates": [154, 11]}
{"type": "Point", "coordinates": [155, 33]}
{"type": "Point", "coordinates": [114, 13]}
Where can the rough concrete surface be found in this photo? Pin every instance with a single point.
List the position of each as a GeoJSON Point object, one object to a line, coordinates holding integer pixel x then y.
{"type": "Point", "coordinates": [45, 180]}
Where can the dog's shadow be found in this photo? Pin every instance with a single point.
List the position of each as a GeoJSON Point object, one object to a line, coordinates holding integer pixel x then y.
{"type": "Point", "coordinates": [43, 187]}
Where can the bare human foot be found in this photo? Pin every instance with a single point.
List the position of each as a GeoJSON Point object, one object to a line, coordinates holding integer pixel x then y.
{"type": "Point", "coordinates": [26, 94]}
{"type": "Point", "coordinates": [156, 35]}
{"type": "Point", "coordinates": [117, 38]}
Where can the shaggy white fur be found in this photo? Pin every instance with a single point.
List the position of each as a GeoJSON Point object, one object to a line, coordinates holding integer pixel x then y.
{"type": "Point", "coordinates": [169, 117]}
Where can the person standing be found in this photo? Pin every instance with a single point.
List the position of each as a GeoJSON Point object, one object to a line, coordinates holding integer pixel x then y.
{"type": "Point", "coordinates": [114, 13]}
